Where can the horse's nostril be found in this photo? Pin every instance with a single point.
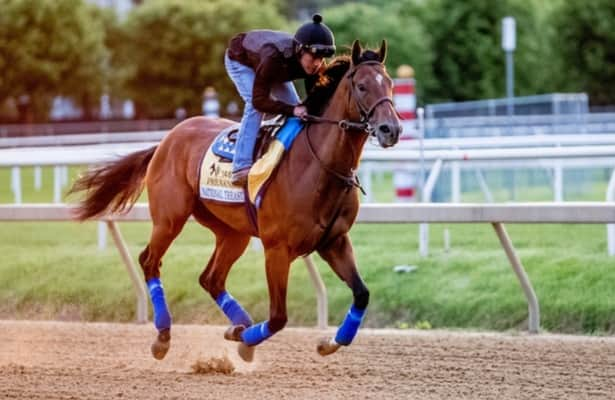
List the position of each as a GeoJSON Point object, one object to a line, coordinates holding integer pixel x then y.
{"type": "Point", "coordinates": [384, 128]}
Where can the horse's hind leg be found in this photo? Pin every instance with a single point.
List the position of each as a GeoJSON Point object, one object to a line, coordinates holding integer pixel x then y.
{"type": "Point", "coordinates": [230, 245]}
{"type": "Point", "coordinates": [340, 257]}
{"type": "Point", "coordinates": [168, 222]}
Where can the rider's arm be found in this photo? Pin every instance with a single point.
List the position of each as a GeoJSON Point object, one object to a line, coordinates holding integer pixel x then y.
{"type": "Point", "coordinates": [267, 75]}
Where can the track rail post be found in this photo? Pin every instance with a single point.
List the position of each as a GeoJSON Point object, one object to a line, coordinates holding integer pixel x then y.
{"type": "Point", "coordinates": [137, 282]}
{"type": "Point", "coordinates": [321, 292]}
{"type": "Point", "coordinates": [526, 285]}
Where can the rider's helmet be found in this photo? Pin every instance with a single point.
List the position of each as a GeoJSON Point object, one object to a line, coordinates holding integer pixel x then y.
{"type": "Point", "coordinates": [316, 38]}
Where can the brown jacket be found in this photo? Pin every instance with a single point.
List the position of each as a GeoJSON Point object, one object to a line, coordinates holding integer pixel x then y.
{"type": "Point", "coordinates": [272, 55]}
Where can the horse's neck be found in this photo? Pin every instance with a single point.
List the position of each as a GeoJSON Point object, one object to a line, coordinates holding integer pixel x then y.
{"type": "Point", "coordinates": [338, 149]}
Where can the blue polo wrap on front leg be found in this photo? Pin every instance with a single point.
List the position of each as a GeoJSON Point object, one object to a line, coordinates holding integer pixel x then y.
{"type": "Point", "coordinates": [256, 334]}
{"type": "Point", "coordinates": [348, 330]}
{"type": "Point", "coordinates": [162, 317]}
{"type": "Point", "coordinates": [233, 310]}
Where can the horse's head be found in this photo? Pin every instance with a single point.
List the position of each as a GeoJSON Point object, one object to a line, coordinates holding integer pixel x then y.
{"type": "Point", "coordinates": [371, 91]}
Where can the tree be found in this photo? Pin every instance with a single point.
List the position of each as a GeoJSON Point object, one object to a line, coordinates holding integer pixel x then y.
{"type": "Point", "coordinates": [177, 49]}
{"type": "Point", "coordinates": [118, 64]}
{"type": "Point", "coordinates": [49, 48]}
{"type": "Point", "coordinates": [406, 37]}
{"type": "Point", "coordinates": [303, 9]}
{"type": "Point", "coordinates": [469, 61]}
{"type": "Point", "coordinates": [585, 38]}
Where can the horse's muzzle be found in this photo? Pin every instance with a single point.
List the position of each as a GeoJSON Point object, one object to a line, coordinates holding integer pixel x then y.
{"type": "Point", "coordinates": [388, 134]}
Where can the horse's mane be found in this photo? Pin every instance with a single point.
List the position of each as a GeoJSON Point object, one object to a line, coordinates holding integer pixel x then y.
{"type": "Point", "coordinates": [326, 83]}
{"type": "Point", "coordinates": [328, 80]}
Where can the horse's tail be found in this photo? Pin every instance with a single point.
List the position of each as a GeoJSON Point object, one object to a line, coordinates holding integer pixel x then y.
{"type": "Point", "coordinates": [112, 187]}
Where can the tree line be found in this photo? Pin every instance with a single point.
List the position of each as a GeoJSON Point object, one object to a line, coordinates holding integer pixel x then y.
{"type": "Point", "coordinates": [164, 53]}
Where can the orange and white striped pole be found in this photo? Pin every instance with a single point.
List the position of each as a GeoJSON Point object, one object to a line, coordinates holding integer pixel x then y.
{"type": "Point", "coordinates": [404, 97]}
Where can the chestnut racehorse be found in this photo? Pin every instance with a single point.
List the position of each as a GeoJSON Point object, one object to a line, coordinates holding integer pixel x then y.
{"type": "Point", "coordinates": [310, 205]}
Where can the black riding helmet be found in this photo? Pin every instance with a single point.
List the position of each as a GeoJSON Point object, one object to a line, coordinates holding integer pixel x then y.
{"type": "Point", "coordinates": [316, 38]}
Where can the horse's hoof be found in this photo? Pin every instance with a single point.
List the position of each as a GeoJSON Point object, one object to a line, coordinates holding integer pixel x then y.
{"type": "Point", "coordinates": [246, 352]}
{"type": "Point", "coordinates": [162, 344]}
{"type": "Point", "coordinates": [234, 333]}
{"type": "Point", "coordinates": [327, 346]}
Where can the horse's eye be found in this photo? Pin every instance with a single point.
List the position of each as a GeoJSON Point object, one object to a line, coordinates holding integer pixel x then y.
{"type": "Point", "coordinates": [361, 88]}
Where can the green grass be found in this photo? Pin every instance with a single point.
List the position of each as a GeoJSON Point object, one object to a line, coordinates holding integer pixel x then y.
{"type": "Point", "coordinates": [54, 270]}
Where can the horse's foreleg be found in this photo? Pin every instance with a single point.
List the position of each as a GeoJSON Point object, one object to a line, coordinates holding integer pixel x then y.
{"type": "Point", "coordinates": [340, 257]}
{"type": "Point", "coordinates": [277, 265]}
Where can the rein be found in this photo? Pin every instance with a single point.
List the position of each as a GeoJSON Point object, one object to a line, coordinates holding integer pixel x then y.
{"type": "Point", "coordinates": [350, 180]}
{"type": "Point", "coordinates": [363, 126]}
{"type": "Point", "coordinates": [344, 124]}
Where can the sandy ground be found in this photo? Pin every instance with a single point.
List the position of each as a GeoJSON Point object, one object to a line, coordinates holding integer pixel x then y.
{"type": "Point", "coordinates": [59, 360]}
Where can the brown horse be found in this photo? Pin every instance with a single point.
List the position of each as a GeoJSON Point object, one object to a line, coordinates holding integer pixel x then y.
{"type": "Point", "coordinates": [309, 206]}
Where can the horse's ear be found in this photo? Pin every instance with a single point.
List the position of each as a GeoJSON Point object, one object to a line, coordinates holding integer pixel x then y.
{"type": "Point", "coordinates": [382, 53]}
{"type": "Point", "coordinates": [356, 52]}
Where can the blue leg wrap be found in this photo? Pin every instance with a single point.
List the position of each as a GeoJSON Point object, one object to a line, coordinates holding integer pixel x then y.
{"type": "Point", "coordinates": [162, 318]}
{"type": "Point", "coordinates": [233, 310]}
{"type": "Point", "coordinates": [256, 334]}
{"type": "Point", "coordinates": [348, 330]}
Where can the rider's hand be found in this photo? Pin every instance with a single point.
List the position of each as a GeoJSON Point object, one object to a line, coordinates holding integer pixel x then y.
{"type": "Point", "coordinates": [300, 111]}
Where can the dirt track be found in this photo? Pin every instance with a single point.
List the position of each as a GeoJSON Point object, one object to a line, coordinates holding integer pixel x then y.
{"type": "Point", "coordinates": [56, 360]}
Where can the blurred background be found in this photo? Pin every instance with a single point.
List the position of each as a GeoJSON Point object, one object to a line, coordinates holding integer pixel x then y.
{"type": "Point", "coordinates": [121, 59]}
{"type": "Point", "coordinates": [478, 68]}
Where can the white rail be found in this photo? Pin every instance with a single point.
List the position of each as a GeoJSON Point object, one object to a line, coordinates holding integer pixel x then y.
{"type": "Point", "coordinates": [80, 139]}
{"type": "Point", "coordinates": [491, 154]}
{"type": "Point", "coordinates": [580, 139]}
{"type": "Point", "coordinates": [482, 142]}
{"type": "Point", "coordinates": [85, 155]}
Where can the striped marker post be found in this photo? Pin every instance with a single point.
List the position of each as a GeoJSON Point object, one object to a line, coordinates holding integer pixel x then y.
{"type": "Point", "coordinates": [404, 97]}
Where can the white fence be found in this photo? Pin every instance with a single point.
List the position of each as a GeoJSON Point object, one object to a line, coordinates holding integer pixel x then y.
{"type": "Point", "coordinates": [552, 152]}
{"type": "Point", "coordinates": [495, 214]}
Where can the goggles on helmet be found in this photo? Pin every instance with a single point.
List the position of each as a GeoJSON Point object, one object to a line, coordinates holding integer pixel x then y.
{"type": "Point", "coordinates": [319, 50]}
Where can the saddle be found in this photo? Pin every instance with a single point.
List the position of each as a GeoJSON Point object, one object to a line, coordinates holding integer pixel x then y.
{"type": "Point", "coordinates": [224, 144]}
{"type": "Point", "coordinates": [274, 138]}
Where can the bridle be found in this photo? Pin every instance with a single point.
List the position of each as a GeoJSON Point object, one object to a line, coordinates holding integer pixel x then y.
{"type": "Point", "coordinates": [366, 113]}
{"type": "Point", "coordinates": [349, 179]}
{"type": "Point", "coordinates": [363, 126]}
